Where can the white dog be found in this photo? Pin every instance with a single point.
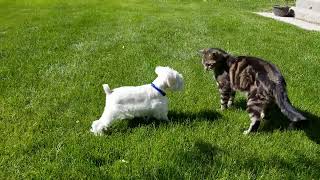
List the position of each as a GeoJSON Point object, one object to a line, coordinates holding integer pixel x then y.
{"type": "Point", "coordinates": [139, 101]}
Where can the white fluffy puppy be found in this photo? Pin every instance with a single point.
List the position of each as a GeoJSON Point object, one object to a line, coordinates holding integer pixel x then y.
{"type": "Point", "coordinates": [139, 101]}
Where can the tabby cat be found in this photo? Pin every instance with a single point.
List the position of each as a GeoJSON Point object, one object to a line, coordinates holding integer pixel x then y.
{"type": "Point", "coordinates": [261, 80]}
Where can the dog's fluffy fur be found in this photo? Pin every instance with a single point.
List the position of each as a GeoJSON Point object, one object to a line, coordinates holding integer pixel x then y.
{"type": "Point", "coordinates": [138, 101]}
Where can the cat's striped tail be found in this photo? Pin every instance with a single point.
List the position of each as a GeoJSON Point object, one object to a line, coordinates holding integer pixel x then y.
{"type": "Point", "coordinates": [284, 104]}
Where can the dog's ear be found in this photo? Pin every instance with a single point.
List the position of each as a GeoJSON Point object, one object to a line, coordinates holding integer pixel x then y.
{"type": "Point", "coordinates": [171, 79]}
{"type": "Point", "coordinates": [178, 82]}
{"type": "Point", "coordinates": [159, 70]}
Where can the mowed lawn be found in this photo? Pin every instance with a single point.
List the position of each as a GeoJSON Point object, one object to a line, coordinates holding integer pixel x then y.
{"type": "Point", "coordinates": [55, 55]}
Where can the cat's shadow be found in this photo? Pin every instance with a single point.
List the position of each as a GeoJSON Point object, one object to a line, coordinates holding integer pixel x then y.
{"type": "Point", "coordinates": [275, 120]}
{"type": "Point", "coordinates": [311, 127]}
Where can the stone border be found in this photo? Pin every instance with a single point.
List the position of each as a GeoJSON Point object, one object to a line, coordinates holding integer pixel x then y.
{"type": "Point", "coordinates": [290, 20]}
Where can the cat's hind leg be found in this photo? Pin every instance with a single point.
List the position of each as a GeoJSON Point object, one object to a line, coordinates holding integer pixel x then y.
{"type": "Point", "coordinates": [255, 108]}
{"type": "Point", "coordinates": [231, 98]}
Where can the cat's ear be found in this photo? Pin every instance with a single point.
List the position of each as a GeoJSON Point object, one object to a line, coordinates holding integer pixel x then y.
{"type": "Point", "coordinates": [216, 55]}
{"type": "Point", "coordinates": [201, 51]}
{"type": "Point", "coordinates": [225, 55]}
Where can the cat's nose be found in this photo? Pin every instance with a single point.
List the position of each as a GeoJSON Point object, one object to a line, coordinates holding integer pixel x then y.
{"type": "Point", "coordinates": [209, 64]}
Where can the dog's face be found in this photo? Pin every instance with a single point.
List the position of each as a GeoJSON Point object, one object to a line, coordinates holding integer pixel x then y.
{"type": "Point", "coordinates": [172, 78]}
{"type": "Point", "coordinates": [211, 57]}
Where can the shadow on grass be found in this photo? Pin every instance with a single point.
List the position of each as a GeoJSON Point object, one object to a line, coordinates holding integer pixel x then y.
{"type": "Point", "coordinates": [311, 126]}
{"type": "Point", "coordinates": [175, 117]}
{"type": "Point", "coordinates": [300, 163]}
{"type": "Point", "coordinates": [203, 157]}
{"type": "Point", "coordinates": [197, 160]}
{"type": "Point", "coordinates": [200, 151]}
{"type": "Point", "coordinates": [240, 104]}
{"type": "Point", "coordinates": [206, 115]}
{"type": "Point", "coordinates": [275, 120]}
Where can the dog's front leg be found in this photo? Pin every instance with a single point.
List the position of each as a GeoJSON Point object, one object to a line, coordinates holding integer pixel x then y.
{"type": "Point", "coordinates": [163, 116]}
{"type": "Point", "coordinates": [146, 118]}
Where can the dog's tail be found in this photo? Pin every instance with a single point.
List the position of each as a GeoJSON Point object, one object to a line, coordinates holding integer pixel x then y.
{"type": "Point", "coordinates": [284, 104]}
{"type": "Point", "coordinates": [106, 89]}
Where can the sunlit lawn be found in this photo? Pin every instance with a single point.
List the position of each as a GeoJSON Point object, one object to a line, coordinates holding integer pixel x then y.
{"type": "Point", "coordinates": [55, 56]}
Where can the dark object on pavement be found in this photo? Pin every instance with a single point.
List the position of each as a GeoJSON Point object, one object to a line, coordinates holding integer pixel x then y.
{"type": "Point", "coordinates": [283, 11]}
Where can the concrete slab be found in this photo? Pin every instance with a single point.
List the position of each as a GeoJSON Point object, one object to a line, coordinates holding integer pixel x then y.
{"type": "Point", "coordinates": [290, 20]}
{"type": "Point", "coordinates": [312, 5]}
{"type": "Point", "coordinates": [308, 10]}
{"type": "Point", "coordinates": [307, 15]}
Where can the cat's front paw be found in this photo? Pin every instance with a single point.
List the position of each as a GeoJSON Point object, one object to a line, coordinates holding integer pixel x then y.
{"type": "Point", "coordinates": [246, 132]}
{"type": "Point", "coordinates": [223, 107]}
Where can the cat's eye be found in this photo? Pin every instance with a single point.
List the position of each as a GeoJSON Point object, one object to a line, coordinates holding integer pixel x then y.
{"type": "Point", "coordinates": [210, 64]}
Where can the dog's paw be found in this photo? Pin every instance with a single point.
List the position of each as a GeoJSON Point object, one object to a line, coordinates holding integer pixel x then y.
{"type": "Point", "coordinates": [97, 128]}
{"type": "Point", "coordinates": [166, 119]}
{"type": "Point", "coordinates": [100, 133]}
{"type": "Point", "coordinates": [293, 126]}
{"type": "Point", "coordinates": [96, 132]}
{"type": "Point", "coordinates": [246, 132]}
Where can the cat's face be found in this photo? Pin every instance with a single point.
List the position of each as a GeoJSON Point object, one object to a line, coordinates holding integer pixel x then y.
{"type": "Point", "coordinates": [211, 57]}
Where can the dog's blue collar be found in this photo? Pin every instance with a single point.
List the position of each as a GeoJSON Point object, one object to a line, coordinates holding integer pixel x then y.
{"type": "Point", "coordinates": [158, 89]}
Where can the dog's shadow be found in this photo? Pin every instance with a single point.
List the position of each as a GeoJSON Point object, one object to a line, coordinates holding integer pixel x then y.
{"type": "Point", "coordinates": [174, 117]}
{"type": "Point", "coordinates": [183, 117]}
{"type": "Point", "coordinates": [177, 117]}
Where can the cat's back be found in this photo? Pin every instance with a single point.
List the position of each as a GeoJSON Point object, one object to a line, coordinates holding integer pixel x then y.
{"type": "Point", "coordinates": [246, 70]}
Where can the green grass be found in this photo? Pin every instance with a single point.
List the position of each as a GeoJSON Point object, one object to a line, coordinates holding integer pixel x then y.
{"type": "Point", "coordinates": [55, 56]}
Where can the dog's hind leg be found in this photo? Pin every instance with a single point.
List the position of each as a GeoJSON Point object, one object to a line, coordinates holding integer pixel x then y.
{"type": "Point", "coordinates": [97, 128]}
{"type": "Point", "coordinates": [100, 125]}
